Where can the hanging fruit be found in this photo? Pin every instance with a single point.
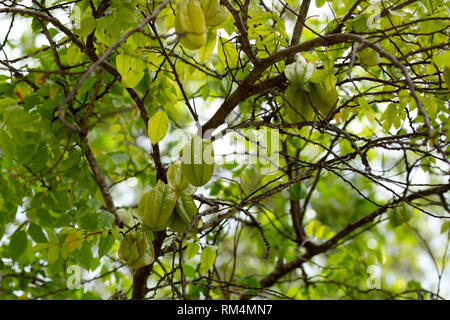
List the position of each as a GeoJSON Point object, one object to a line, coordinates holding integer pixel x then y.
{"type": "Point", "coordinates": [136, 249]}
{"type": "Point", "coordinates": [176, 178]}
{"type": "Point", "coordinates": [128, 250]}
{"type": "Point", "coordinates": [297, 105]}
{"type": "Point", "coordinates": [198, 161]}
{"type": "Point", "coordinates": [190, 24]}
{"type": "Point", "coordinates": [156, 206]}
{"type": "Point", "coordinates": [214, 12]}
{"type": "Point", "coordinates": [185, 211]}
{"type": "Point", "coordinates": [324, 101]}
{"type": "Point", "coordinates": [299, 72]}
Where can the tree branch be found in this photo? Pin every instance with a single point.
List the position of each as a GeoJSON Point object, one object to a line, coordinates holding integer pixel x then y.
{"type": "Point", "coordinates": [283, 269]}
{"type": "Point", "coordinates": [101, 182]}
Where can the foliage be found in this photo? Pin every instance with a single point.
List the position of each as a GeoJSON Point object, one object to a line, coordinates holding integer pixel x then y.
{"type": "Point", "coordinates": [346, 200]}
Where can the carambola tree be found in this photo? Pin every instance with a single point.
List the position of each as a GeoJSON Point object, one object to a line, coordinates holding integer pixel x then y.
{"type": "Point", "coordinates": [224, 149]}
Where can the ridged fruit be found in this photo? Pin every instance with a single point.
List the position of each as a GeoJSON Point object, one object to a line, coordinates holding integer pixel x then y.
{"type": "Point", "coordinates": [324, 101]}
{"type": "Point", "coordinates": [128, 250]}
{"type": "Point", "coordinates": [176, 179]}
{"type": "Point", "coordinates": [156, 206]}
{"type": "Point", "coordinates": [198, 161]}
{"type": "Point", "coordinates": [299, 72]}
{"type": "Point", "coordinates": [369, 57]}
{"type": "Point", "coordinates": [186, 208]}
{"type": "Point", "coordinates": [136, 249]}
{"type": "Point", "coordinates": [185, 211]}
{"type": "Point", "coordinates": [297, 105]}
{"type": "Point", "coordinates": [146, 251]}
{"type": "Point", "coordinates": [190, 24]}
{"type": "Point", "coordinates": [214, 12]}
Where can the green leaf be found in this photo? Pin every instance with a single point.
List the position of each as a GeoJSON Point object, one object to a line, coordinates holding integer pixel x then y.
{"type": "Point", "coordinates": [194, 291]}
{"type": "Point", "coordinates": [122, 64]}
{"type": "Point", "coordinates": [105, 245]}
{"type": "Point", "coordinates": [390, 117]}
{"type": "Point", "coordinates": [158, 125]}
{"type": "Point", "coordinates": [87, 26]}
{"type": "Point", "coordinates": [85, 256]}
{"type": "Point", "coordinates": [73, 54]}
{"type": "Point", "coordinates": [39, 247]}
{"type": "Point", "coordinates": [320, 3]}
{"type": "Point", "coordinates": [115, 233]}
{"type": "Point", "coordinates": [400, 215]}
{"type": "Point", "coordinates": [359, 23]}
{"type": "Point", "coordinates": [345, 147]}
{"type": "Point", "coordinates": [207, 259]}
{"type": "Point", "coordinates": [317, 229]}
{"type": "Point", "coordinates": [132, 79]}
{"type": "Point", "coordinates": [105, 220]}
{"type": "Point", "coordinates": [36, 233]}
{"type": "Point", "coordinates": [365, 110]}
{"type": "Point", "coordinates": [36, 24]}
{"type": "Point", "coordinates": [227, 52]}
{"type": "Point", "coordinates": [53, 253]}
{"type": "Point", "coordinates": [16, 117]}
{"type": "Point", "coordinates": [18, 244]}
{"type": "Point", "coordinates": [205, 51]}
{"type": "Point", "coordinates": [7, 102]}
{"type": "Point", "coordinates": [189, 271]}
{"type": "Point", "coordinates": [7, 145]}
{"type": "Point", "coordinates": [192, 249]}
{"type": "Point", "coordinates": [442, 59]}
{"type": "Point", "coordinates": [125, 15]}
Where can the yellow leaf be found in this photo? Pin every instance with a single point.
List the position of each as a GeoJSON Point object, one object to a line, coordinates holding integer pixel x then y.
{"type": "Point", "coordinates": [158, 126]}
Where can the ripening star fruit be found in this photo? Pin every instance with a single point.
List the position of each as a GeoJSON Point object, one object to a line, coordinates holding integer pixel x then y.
{"type": "Point", "coordinates": [190, 24]}
{"type": "Point", "coordinates": [156, 206]}
{"type": "Point", "coordinates": [177, 181]}
{"type": "Point", "coordinates": [184, 213]}
{"type": "Point", "coordinates": [198, 161]}
{"type": "Point", "coordinates": [297, 105]}
{"type": "Point", "coordinates": [136, 249]}
{"type": "Point", "coordinates": [128, 251]}
{"type": "Point", "coordinates": [369, 57]}
{"type": "Point", "coordinates": [299, 72]}
{"type": "Point", "coordinates": [214, 12]}
{"type": "Point", "coordinates": [324, 101]}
